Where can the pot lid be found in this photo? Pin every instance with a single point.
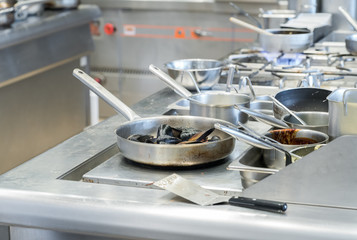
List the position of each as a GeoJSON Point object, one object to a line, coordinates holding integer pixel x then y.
{"type": "Point", "coordinates": [341, 94]}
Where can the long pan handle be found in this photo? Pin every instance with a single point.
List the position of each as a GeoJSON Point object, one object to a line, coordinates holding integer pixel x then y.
{"type": "Point", "coordinates": [259, 204]}
{"type": "Point", "coordinates": [348, 17]}
{"type": "Point", "coordinates": [250, 26]}
{"type": "Point", "coordinates": [107, 96]}
{"type": "Point", "coordinates": [277, 102]}
{"type": "Point", "coordinates": [180, 90]}
{"type": "Point", "coordinates": [263, 117]}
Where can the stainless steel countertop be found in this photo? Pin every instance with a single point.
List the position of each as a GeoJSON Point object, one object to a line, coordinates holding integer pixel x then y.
{"type": "Point", "coordinates": [51, 21]}
{"type": "Point", "coordinates": [36, 195]}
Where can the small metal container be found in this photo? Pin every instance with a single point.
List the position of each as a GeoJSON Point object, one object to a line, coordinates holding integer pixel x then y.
{"type": "Point", "coordinates": [275, 159]}
{"type": "Point", "coordinates": [206, 72]}
{"type": "Point", "coordinates": [343, 112]}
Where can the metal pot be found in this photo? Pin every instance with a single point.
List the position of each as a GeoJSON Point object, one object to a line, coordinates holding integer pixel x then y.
{"type": "Point", "coordinates": [317, 121]}
{"type": "Point", "coordinates": [276, 160]}
{"type": "Point", "coordinates": [301, 99]}
{"type": "Point", "coordinates": [342, 112]}
{"type": "Point", "coordinates": [276, 153]}
{"type": "Point", "coordinates": [286, 40]}
{"type": "Point", "coordinates": [173, 155]}
{"type": "Point", "coordinates": [205, 72]}
{"type": "Point", "coordinates": [282, 39]}
{"type": "Point", "coordinates": [214, 104]}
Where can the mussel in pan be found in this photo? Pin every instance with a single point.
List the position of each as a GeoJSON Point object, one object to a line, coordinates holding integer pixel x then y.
{"type": "Point", "coordinates": [169, 135]}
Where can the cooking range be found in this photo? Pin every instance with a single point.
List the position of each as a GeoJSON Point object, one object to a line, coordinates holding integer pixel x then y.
{"type": "Point", "coordinates": [315, 67]}
{"type": "Point", "coordinates": [269, 72]}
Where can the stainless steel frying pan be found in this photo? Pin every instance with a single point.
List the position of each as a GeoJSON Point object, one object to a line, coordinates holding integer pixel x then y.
{"type": "Point", "coordinates": [285, 40]}
{"type": "Point", "coordinates": [157, 154]}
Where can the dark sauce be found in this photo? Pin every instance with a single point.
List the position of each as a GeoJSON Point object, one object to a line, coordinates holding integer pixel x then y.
{"type": "Point", "coordinates": [288, 137]}
{"type": "Point", "coordinates": [301, 141]}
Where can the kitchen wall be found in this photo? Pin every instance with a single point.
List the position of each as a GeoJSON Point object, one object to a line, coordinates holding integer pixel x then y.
{"type": "Point", "coordinates": [156, 32]}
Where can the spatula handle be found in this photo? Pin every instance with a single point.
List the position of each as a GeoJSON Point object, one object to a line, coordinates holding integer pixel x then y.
{"type": "Point", "coordinates": [258, 204]}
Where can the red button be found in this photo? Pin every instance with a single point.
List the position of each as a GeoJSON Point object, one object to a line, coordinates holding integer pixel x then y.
{"type": "Point", "coordinates": [109, 28]}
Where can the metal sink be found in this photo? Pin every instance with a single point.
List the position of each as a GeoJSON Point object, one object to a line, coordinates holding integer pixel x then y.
{"type": "Point", "coordinates": [251, 167]}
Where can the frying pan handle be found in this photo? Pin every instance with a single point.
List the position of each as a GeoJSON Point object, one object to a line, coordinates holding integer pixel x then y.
{"type": "Point", "coordinates": [180, 90]}
{"type": "Point", "coordinates": [263, 117]}
{"type": "Point", "coordinates": [107, 96]}
{"type": "Point", "coordinates": [250, 139]}
{"type": "Point", "coordinates": [344, 99]}
{"type": "Point", "coordinates": [254, 141]}
{"type": "Point", "coordinates": [250, 26]}
{"type": "Point", "coordinates": [259, 204]}
{"type": "Point", "coordinates": [348, 17]}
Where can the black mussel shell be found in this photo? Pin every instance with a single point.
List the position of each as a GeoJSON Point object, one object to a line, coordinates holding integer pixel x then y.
{"type": "Point", "coordinates": [165, 129]}
{"type": "Point", "coordinates": [187, 133]}
{"type": "Point", "coordinates": [166, 139]}
{"type": "Point", "coordinates": [142, 138]}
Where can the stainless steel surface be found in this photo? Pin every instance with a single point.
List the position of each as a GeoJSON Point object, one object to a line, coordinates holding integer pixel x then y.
{"type": "Point", "coordinates": [251, 167]}
{"type": "Point", "coordinates": [317, 121]}
{"type": "Point", "coordinates": [36, 195]}
{"type": "Point", "coordinates": [120, 171]}
{"type": "Point", "coordinates": [206, 72]}
{"type": "Point", "coordinates": [39, 33]}
{"type": "Point", "coordinates": [323, 178]}
{"type": "Point", "coordinates": [342, 112]}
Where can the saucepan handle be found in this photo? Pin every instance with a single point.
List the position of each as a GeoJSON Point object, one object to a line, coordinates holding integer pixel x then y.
{"type": "Point", "coordinates": [183, 92]}
{"type": "Point", "coordinates": [344, 98]}
{"type": "Point", "coordinates": [259, 204]}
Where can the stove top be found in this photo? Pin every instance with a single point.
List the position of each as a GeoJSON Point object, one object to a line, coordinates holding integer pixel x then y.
{"type": "Point", "coordinates": [118, 170]}
{"type": "Point", "coordinates": [315, 67]}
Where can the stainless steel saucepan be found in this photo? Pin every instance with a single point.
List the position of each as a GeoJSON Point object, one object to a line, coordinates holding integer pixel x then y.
{"type": "Point", "coordinates": [173, 155]}
{"type": "Point", "coordinates": [214, 104]}
{"type": "Point", "coordinates": [278, 155]}
{"type": "Point", "coordinates": [281, 39]}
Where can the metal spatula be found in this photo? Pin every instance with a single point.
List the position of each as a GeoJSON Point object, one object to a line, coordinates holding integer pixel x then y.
{"type": "Point", "coordinates": [195, 193]}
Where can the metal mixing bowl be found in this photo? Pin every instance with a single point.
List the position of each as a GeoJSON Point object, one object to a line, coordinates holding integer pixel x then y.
{"type": "Point", "coordinates": [206, 72]}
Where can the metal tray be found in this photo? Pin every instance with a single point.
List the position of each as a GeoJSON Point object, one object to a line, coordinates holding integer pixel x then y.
{"type": "Point", "coordinates": [251, 167]}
